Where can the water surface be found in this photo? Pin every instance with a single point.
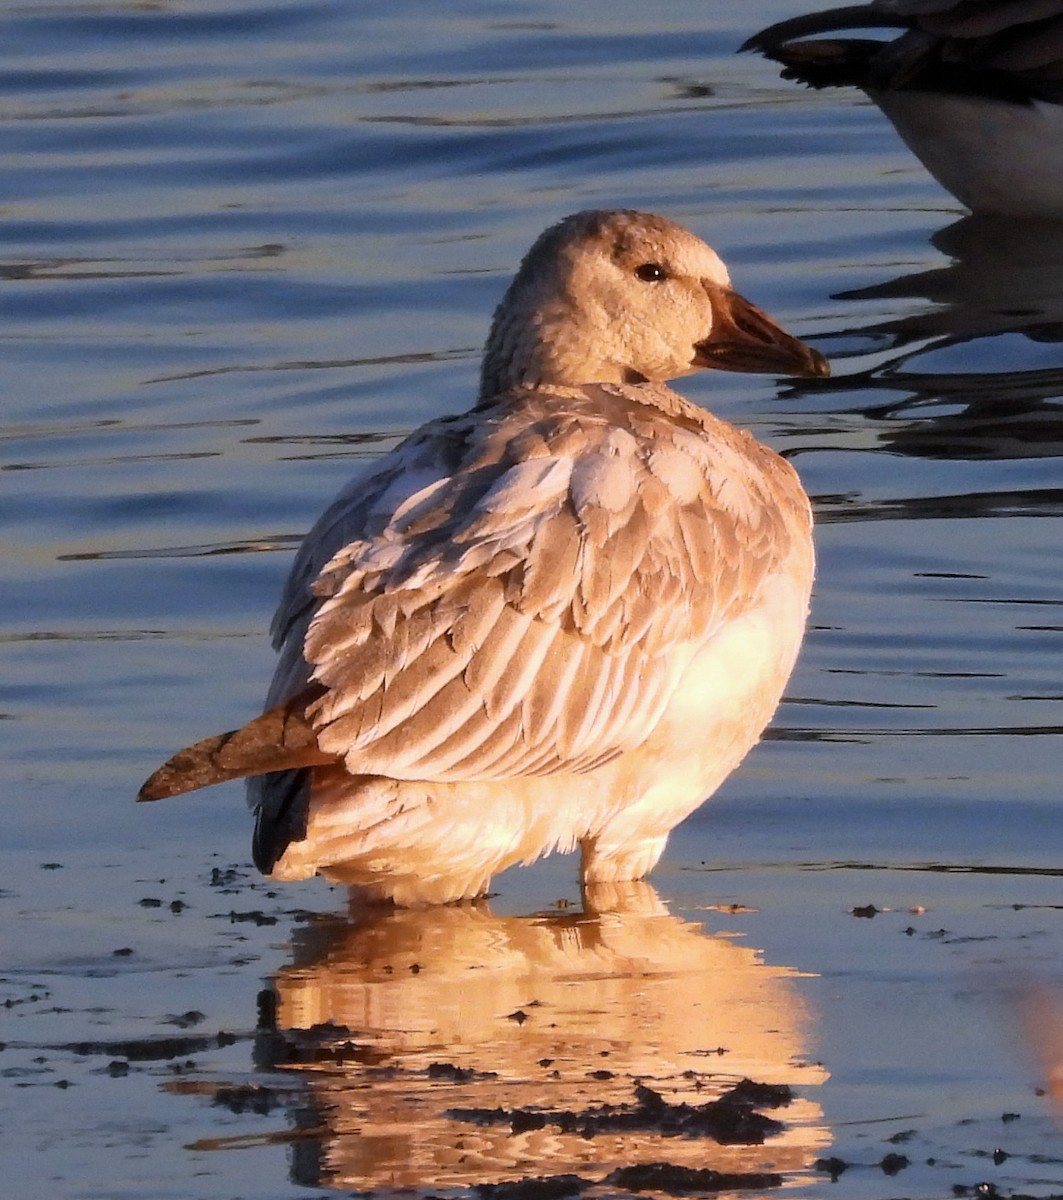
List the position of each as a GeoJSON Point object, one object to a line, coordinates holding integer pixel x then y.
{"type": "Point", "coordinates": [243, 249]}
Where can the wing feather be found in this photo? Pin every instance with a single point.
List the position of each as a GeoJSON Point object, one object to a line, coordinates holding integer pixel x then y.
{"type": "Point", "coordinates": [548, 696]}
{"type": "Point", "coordinates": [517, 591]}
{"type": "Point", "coordinates": [596, 706]}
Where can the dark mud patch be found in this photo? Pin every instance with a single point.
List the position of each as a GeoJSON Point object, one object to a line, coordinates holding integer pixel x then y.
{"type": "Point", "coordinates": [249, 1097]}
{"type": "Point", "coordinates": [534, 1187]}
{"type": "Point", "coordinates": [324, 1043]}
{"type": "Point", "coordinates": [156, 1049]}
{"type": "Point", "coordinates": [455, 1074]}
{"type": "Point", "coordinates": [732, 1119]}
{"type": "Point", "coordinates": [685, 1181]}
{"type": "Point", "coordinates": [664, 1178]}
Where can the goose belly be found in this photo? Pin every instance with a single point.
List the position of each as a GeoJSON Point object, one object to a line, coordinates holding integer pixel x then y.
{"type": "Point", "coordinates": [993, 156]}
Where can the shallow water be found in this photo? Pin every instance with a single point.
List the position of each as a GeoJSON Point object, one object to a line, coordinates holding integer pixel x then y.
{"type": "Point", "coordinates": [243, 248]}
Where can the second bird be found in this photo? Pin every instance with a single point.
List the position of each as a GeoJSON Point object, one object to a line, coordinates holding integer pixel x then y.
{"type": "Point", "coordinates": [974, 87]}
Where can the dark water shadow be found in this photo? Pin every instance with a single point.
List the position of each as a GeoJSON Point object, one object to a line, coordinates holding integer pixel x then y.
{"type": "Point", "coordinates": [450, 1047]}
{"type": "Point", "coordinates": [974, 373]}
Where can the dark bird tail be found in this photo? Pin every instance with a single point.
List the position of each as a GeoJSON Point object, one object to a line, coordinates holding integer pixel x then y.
{"type": "Point", "coordinates": [282, 739]}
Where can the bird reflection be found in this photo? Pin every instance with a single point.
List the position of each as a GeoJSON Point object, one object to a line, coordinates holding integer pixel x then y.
{"type": "Point", "coordinates": [449, 1047]}
{"type": "Point", "coordinates": [1040, 1010]}
{"type": "Point", "coordinates": [965, 375]}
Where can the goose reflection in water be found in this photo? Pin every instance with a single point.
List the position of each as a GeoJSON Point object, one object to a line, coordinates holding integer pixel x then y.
{"type": "Point", "coordinates": [449, 1047]}
{"type": "Point", "coordinates": [973, 378]}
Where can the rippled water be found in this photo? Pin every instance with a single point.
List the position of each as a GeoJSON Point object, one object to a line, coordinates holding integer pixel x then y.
{"type": "Point", "coordinates": [243, 248]}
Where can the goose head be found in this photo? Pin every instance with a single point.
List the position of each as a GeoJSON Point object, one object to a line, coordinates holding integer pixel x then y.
{"type": "Point", "coordinates": [616, 296]}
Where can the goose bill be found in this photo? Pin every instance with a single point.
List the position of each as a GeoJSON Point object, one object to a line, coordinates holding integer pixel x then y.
{"type": "Point", "coordinates": [744, 338]}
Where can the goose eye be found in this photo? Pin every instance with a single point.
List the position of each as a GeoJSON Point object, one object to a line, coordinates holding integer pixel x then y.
{"type": "Point", "coordinates": [651, 273]}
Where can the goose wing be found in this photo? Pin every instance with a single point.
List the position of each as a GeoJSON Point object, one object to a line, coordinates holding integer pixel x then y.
{"type": "Point", "coordinates": [525, 586]}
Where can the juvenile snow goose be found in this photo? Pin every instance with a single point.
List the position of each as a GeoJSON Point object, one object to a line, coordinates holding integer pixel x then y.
{"type": "Point", "coordinates": [974, 87]}
{"type": "Point", "coordinates": [558, 620]}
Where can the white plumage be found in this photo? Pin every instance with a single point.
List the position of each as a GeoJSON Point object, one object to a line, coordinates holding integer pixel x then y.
{"type": "Point", "coordinates": [559, 619]}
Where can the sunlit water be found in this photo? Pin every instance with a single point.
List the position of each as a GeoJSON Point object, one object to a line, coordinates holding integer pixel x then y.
{"type": "Point", "coordinates": [243, 248]}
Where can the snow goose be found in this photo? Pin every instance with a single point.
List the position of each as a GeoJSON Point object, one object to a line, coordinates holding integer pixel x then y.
{"type": "Point", "coordinates": [556, 621]}
{"type": "Point", "coordinates": [974, 87]}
